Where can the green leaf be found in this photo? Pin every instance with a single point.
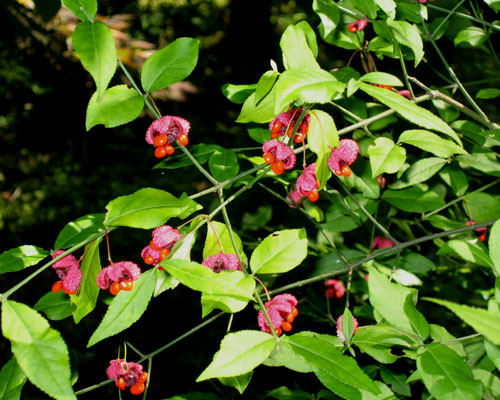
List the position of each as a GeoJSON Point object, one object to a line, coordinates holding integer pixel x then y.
{"type": "Point", "coordinates": [12, 380]}
{"type": "Point", "coordinates": [202, 152]}
{"type": "Point", "coordinates": [389, 300]}
{"type": "Point", "coordinates": [494, 246]}
{"type": "Point", "coordinates": [409, 110]}
{"type": "Point", "coordinates": [308, 85]}
{"type": "Point", "coordinates": [40, 350]}
{"type": "Point", "coordinates": [430, 142]}
{"type": "Point", "coordinates": [381, 78]}
{"type": "Point", "coordinates": [126, 308]}
{"type": "Point", "coordinates": [79, 230]}
{"type": "Point", "coordinates": [322, 356]}
{"type": "Point", "coordinates": [367, 7]}
{"type": "Point", "coordinates": [419, 172]}
{"type": "Point", "coordinates": [385, 156]}
{"type": "Point", "coordinates": [396, 381]}
{"type": "Point", "coordinates": [469, 251]}
{"type": "Point", "coordinates": [265, 84]}
{"type": "Point", "coordinates": [456, 178]}
{"type": "Point", "coordinates": [494, 4]}
{"type": "Point", "coordinates": [170, 64]}
{"type": "Point", "coordinates": [240, 383]}
{"type": "Point", "coordinates": [240, 353]}
{"type": "Point", "coordinates": [223, 164]}
{"type": "Point", "coordinates": [82, 8]}
{"type": "Point", "coordinates": [490, 93]}
{"type": "Point", "coordinates": [280, 252]}
{"type": "Point", "coordinates": [261, 112]}
{"type": "Point", "coordinates": [147, 208]}
{"type": "Point", "coordinates": [221, 238]}
{"type": "Point", "coordinates": [56, 306]}
{"type": "Point", "coordinates": [322, 135]}
{"type": "Point", "coordinates": [484, 322]}
{"type": "Point", "coordinates": [408, 35]}
{"type": "Point", "coordinates": [440, 334]}
{"type": "Point", "coordinates": [493, 353]}
{"type": "Point", "coordinates": [329, 14]}
{"type": "Point", "coordinates": [95, 45]}
{"type": "Point", "coordinates": [349, 393]}
{"type": "Point", "coordinates": [21, 257]}
{"type": "Point", "coordinates": [238, 93]}
{"type": "Point", "coordinates": [118, 105]}
{"type": "Point", "coordinates": [296, 50]}
{"type": "Point", "coordinates": [471, 36]}
{"type": "Point", "coordinates": [446, 375]}
{"type": "Point", "coordinates": [417, 320]}
{"type": "Point", "coordinates": [388, 6]}
{"type": "Point", "coordinates": [491, 383]}
{"type": "Point", "coordinates": [482, 207]}
{"type": "Point", "coordinates": [415, 262]}
{"type": "Point", "coordinates": [413, 199]}
{"type": "Point", "coordinates": [347, 325]}
{"type": "Point", "coordinates": [232, 284]}
{"type": "Point", "coordinates": [91, 266]}
{"type": "Point", "coordinates": [486, 162]}
{"type": "Point", "coordinates": [377, 341]}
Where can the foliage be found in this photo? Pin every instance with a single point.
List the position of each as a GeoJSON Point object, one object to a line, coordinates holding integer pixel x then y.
{"type": "Point", "coordinates": [405, 223]}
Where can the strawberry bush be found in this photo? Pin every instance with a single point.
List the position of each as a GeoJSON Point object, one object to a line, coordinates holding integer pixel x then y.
{"type": "Point", "coordinates": [366, 263]}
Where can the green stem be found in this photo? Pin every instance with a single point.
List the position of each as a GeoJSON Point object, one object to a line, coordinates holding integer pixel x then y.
{"type": "Point", "coordinates": [263, 308]}
{"type": "Point", "coordinates": [452, 11]}
{"type": "Point", "coordinates": [380, 253]}
{"type": "Point", "coordinates": [465, 16]}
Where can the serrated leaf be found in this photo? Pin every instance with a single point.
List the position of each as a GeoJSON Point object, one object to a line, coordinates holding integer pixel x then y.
{"type": "Point", "coordinates": [261, 112]}
{"type": "Point", "coordinates": [409, 110]}
{"type": "Point", "coordinates": [126, 308]}
{"type": "Point", "coordinates": [12, 380]}
{"type": "Point", "coordinates": [219, 240]}
{"type": "Point", "coordinates": [413, 199]}
{"type": "Point", "coordinates": [408, 35]}
{"type": "Point", "coordinates": [494, 246]}
{"type": "Point", "coordinates": [95, 45]}
{"type": "Point", "coordinates": [91, 266]}
{"type": "Point", "coordinates": [446, 375]}
{"type": "Point", "coordinates": [239, 353]}
{"type": "Point", "coordinates": [493, 353]}
{"type": "Point", "coordinates": [430, 142]}
{"type": "Point", "coordinates": [39, 350]}
{"type": "Point", "coordinates": [223, 164]}
{"type": "Point", "coordinates": [490, 382]}
{"type": "Point", "coordinates": [324, 357]}
{"type": "Point", "coordinates": [79, 230]}
{"type": "Point", "coordinates": [198, 277]}
{"type": "Point", "coordinates": [170, 64]}
{"type": "Point", "coordinates": [238, 93]}
{"type": "Point", "coordinates": [308, 85]}
{"type": "Point", "coordinates": [56, 306]}
{"type": "Point", "coordinates": [481, 206]}
{"type": "Point", "coordinates": [82, 8]}
{"type": "Point", "coordinates": [385, 156]}
{"type": "Point", "coordinates": [469, 251]}
{"type": "Point", "coordinates": [485, 162]}
{"type": "Point", "coordinates": [21, 257]}
{"type": "Point", "coordinates": [471, 36]}
{"type": "Point", "coordinates": [322, 135]}
{"type": "Point", "coordinates": [389, 299]}
{"type": "Point", "coordinates": [388, 6]}
{"type": "Point", "coordinates": [279, 252]}
{"type": "Point", "coordinates": [296, 50]}
{"type": "Point", "coordinates": [483, 321]}
{"type": "Point", "coordinates": [240, 382]}
{"type": "Point", "coordinates": [118, 105]}
{"type": "Point", "coordinates": [147, 208]}
{"type": "Point", "coordinates": [419, 172]}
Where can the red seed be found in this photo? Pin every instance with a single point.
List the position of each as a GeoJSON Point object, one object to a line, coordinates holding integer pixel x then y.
{"type": "Point", "coordinates": [183, 140]}
{"type": "Point", "coordinates": [114, 288]}
{"type": "Point", "coordinates": [278, 332]}
{"type": "Point", "coordinates": [295, 312]}
{"type": "Point", "coordinates": [268, 158]}
{"type": "Point", "coordinates": [160, 152]}
{"type": "Point", "coordinates": [290, 318]}
{"type": "Point", "coordinates": [154, 246]}
{"type": "Point", "coordinates": [69, 292]}
{"type": "Point", "coordinates": [275, 130]}
{"type": "Point", "coordinates": [164, 253]}
{"type": "Point", "coordinates": [121, 384]}
{"type": "Point", "coordinates": [278, 168]}
{"type": "Point", "coordinates": [169, 149]}
{"type": "Point", "coordinates": [299, 137]}
{"type": "Point", "coordinates": [57, 286]}
{"type": "Point", "coordinates": [346, 171]}
{"type": "Point", "coordinates": [160, 140]}
{"type": "Point", "coordinates": [313, 195]}
{"type": "Point", "coordinates": [138, 388]}
{"type": "Point", "coordinates": [143, 378]}
{"type": "Point", "coordinates": [127, 285]}
{"type": "Point", "coordinates": [353, 28]}
{"type": "Point", "coordinates": [149, 260]}
{"type": "Point", "coordinates": [286, 326]}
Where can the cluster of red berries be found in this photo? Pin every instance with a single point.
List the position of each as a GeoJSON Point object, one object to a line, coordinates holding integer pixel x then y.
{"type": "Point", "coordinates": [285, 123]}
{"type": "Point", "coordinates": [165, 131]}
{"type": "Point", "coordinates": [137, 388]}
{"type": "Point", "coordinates": [286, 325]}
{"type": "Point", "coordinates": [69, 273]}
{"type": "Point", "coordinates": [278, 155]}
{"type": "Point", "coordinates": [127, 374]}
{"type": "Point", "coordinates": [334, 288]}
{"type": "Point", "coordinates": [118, 276]}
{"type": "Point", "coordinates": [342, 156]}
{"type": "Point", "coordinates": [300, 135]}
{"type": "Point", "coordinates": [357, 25]}
{"type": "Point", "coordinates": [163, 239]}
